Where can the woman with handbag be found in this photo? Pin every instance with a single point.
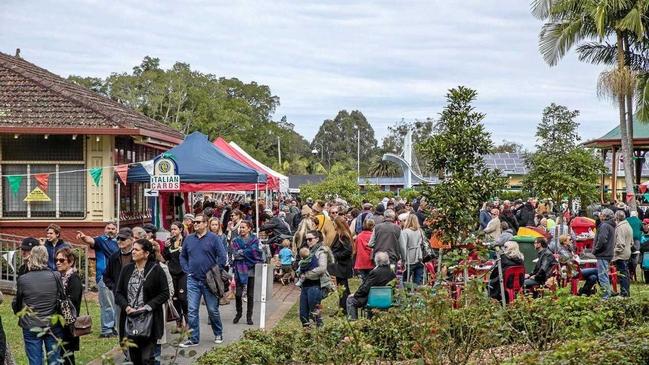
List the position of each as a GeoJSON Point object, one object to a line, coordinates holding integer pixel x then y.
{"type": "Point", "coordinates": [39, 290]}
{"type": "Point", "coordinates": [73, 289]}
{"type": "Point", "coordinates": [141, 291]}
{"type": "Point", "coordinates": [173, 248]}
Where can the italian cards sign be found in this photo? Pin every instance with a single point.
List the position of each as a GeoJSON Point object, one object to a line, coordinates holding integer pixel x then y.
{"type": "Point", "coordinates": [164, 176]}
{"type": "Point", "coordinates": [165, 182]}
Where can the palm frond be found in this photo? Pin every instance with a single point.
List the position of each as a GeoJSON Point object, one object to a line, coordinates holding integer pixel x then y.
{"type": "Point", "coordinates": [642, 98]}
{"type": "Point", "coordinates": [556, 39]}
{"type": "Point", "coordinates": [596, 53]}
{"type": "Point", "coordinates": [632, 22]}
{"type": "Point", "coordinates": [540, 9]}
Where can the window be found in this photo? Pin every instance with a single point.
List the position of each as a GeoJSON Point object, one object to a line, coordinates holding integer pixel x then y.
{"type": "Point", "coordinates": [31, 155]}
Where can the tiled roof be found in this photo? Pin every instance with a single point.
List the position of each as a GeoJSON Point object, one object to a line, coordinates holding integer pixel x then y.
{"type": "Point", "coordinates": [32, 97]}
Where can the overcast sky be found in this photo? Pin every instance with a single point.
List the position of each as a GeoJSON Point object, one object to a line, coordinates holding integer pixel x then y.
{"type": "Point", "coordinates": [388, 59]}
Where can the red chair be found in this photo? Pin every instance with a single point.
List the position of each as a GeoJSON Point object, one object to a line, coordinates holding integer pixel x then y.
{"type": "Point", "coordinates": [514, 275]}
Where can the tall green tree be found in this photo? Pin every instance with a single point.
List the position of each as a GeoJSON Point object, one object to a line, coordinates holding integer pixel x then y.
{"type": "Point", "coordinates": [455, 149]}
{"type": "Point", "coordinates": [574, 22]}
{"type": "Point", "coordinates": [560, 167]}
{"type": "Point", "coordinates": [336, 140]}
{"type": "Point", "coordinates": [508, 147]}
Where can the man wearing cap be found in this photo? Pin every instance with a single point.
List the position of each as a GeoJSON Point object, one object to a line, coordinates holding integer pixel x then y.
{"type": "Point", "coordinates": [53, 243]}
{"type": "Point", "coordinates": [26, 250]}
{"type": "Point", "coordinates": [116, 262]}
{"type": "Point", "coordinates": [105, 246]}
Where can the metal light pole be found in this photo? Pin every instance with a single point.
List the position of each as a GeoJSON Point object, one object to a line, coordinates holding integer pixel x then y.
{"type": "Point", "coordinates": [358, 154]}
{"type": "Point", "coordinates": [279, 152]}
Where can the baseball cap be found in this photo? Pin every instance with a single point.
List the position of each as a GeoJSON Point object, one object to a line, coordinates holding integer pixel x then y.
{"type": "Point", "coordinates": [150, 228]}
{"type": "Point", "coordinates": [645, 221]}
{"type": "Point", "coordinates": [125, 233]}
{"type": "Point", "coordinates": [29, 243]}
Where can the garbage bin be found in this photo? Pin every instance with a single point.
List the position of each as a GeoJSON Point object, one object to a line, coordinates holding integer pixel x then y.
{"type": "Point", "coordinates": [526, 245]}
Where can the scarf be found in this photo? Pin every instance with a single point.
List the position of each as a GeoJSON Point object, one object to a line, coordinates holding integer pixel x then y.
{"type": "Point", "coordinates": [250, 255]}
{"type": "Point", "coordinates": [67, 275]}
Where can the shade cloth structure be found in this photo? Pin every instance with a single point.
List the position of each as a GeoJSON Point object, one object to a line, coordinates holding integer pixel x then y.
{"type": "Point", "coordinates": [272, 181]}
{"type": "Point", "coordinates": [283, 179]}
{"type": "Point", "coordinates": [203, 167]}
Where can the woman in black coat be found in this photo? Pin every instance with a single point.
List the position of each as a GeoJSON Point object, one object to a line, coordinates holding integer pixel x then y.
{"type": "Point", "coordinates": [73, 288]}
{"type": "Point", "coordinates": [342, 269]}
{"type": "Point", "coordinates": [144, 272]}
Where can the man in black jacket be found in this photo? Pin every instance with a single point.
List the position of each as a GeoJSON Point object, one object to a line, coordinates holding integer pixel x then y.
{"type": "Point", "coordinates": [604, 247]}
{"type": "Point", "coordinates": [526, 213]}
{"type": "Point", "coordinates": [381, 275]}
{"type": "Point", "coordinates": [544, 264]}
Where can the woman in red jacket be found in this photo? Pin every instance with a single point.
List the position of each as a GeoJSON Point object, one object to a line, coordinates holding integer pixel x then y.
{"type": "Point", "coordinates": [363, 253]}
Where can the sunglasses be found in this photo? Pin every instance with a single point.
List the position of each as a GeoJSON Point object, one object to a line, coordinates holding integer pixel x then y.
{"type": "Point", "coordinates": [198, 222]}
{"type": "Point", "coordinates": [311, 238]}
{"type": "Point", "coordinates": [61, 260]}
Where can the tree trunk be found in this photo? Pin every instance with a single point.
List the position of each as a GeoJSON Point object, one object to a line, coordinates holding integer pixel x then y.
{"type": "Point", "coordinates": [624, 136]}
{"type": "Point", "coordinates": [629, 115]}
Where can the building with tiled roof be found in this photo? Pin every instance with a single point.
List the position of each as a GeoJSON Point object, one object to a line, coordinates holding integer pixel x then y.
{"type": "Point", "coordinates": [54, 126]}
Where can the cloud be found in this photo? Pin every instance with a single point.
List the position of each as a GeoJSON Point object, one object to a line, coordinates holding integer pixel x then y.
{"type": "Point", "coordinates": [388, 59]}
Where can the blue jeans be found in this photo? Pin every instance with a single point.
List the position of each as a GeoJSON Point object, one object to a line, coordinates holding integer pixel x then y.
{"type": "Point", "coordinates": [310, 299]}
{"type": "Point", "coordinates": [416, 273]}
{"type": "Point", "coordinates": [196, 289]}
{"type": "Point", "coordinates": [602, 276]}
{"type": "Point", "coordinates": [34, 346]}
{"type": "Point", "coordinates": [107, 308]}
{"type": "Point", "coordinates": [623, 277]}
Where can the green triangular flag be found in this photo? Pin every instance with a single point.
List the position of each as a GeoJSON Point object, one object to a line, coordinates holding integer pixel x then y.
{"type": "Point", "coordinates": [96, 175]}
{"type": "Point", "coordinates": [646, 197]}
{"type": "Point", "coordinates": [14, 183]}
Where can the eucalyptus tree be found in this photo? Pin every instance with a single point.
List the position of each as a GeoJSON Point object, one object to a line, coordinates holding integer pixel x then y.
{"type": "Point", "coordinates": [590, 25]}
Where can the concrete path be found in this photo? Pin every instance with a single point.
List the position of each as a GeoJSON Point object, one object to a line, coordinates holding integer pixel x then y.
{"type": "Point", "coordinates": [283, 298]}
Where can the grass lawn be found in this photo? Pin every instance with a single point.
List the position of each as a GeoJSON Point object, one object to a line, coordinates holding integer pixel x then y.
{"type": "Point", "coordinates": [92, 346]}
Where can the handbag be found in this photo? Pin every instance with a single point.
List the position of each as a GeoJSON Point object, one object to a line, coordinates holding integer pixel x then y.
{"type": "Point", "coordinates": [138, 325]}
{"type": "Point", "coordinates": [426, 251]}
{"type": "Point", "coordinates": [83, 325]}
{"type": "Point", "coordinates": [645, 261]}
{"type": "Point", "coordinates": [65, 306]}
{"type": "Point", "coordinates": [172, 313]}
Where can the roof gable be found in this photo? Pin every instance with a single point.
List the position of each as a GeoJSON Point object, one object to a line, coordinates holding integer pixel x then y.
{"type": "Point", "coordinates": [31, 96]}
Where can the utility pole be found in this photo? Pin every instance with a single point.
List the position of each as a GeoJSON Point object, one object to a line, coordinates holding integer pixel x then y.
{"type": "Point", "coordinates": [358, 154]}
{"type": "Point", "coordinates": [279, 153]}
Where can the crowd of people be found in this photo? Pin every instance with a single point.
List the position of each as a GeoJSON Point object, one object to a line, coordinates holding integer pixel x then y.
{"type": "Point", "coordinates": [317, 245]}
{"type": "Point", "coordinates": [619, 238]}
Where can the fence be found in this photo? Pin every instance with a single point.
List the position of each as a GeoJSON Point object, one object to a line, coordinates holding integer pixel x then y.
{"type": "Point", "coordinates": [11, 259]}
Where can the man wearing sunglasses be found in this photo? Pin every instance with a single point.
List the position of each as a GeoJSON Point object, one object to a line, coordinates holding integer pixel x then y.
{"type": "Point", "coordinates": [201, 251]}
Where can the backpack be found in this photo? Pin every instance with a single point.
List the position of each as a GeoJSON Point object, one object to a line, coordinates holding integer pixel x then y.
{"type": "Point", "coordinates": [359, 222]}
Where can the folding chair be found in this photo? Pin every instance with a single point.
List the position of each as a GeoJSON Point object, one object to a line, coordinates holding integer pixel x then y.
{"type": "Point", "coordinates": [515, 275]}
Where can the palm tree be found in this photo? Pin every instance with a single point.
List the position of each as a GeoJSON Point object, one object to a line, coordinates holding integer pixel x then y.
{"type": "Point", "coordinates": [380, 168]}
{"type": "Point", "coordinates": [572, 22]}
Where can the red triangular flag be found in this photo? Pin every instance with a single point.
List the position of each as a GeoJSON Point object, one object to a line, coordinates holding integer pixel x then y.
{"type": "Point", "coordinates": [643, 188]}
{"type": "Point", "coordinates": [629, 197]}
{"type": "Point", "coordinates": [122, 172]}
{"type": "Point", "coordinates": [42, 180]}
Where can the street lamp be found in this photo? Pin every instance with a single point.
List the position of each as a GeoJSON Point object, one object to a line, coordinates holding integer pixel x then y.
{"type": "Point", "coordinates": [315, 150]}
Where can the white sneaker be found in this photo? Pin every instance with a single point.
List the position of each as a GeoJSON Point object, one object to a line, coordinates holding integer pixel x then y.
{"type": "Point", "coordinates": [218, 339]}
{"type": "Point", "coordinates": [187, 344]}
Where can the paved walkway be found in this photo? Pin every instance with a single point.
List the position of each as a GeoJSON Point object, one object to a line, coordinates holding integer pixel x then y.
{"type": "Point", "coordinates": [281, 302]}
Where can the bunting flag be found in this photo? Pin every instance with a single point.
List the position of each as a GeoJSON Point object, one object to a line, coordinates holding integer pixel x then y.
{"type": "Point", "coordinates": [646, 197]}
{"type": "Point", "coordinates": [122, 172]}
{"type": "Point", "coordinates": [95, 173]}
{"type": "Point", "coordinates": [14, 184]}
{"type": "Point", "coordinates": [9, 258]}
{"type": "Point", "coordinates": [148, 166]}
{"type": "Point", "coordinates": [629, 197]}
{"type": "Point", "coordinates": [42, 180]}
{"type": "Point", "coordinates": [643, 188]}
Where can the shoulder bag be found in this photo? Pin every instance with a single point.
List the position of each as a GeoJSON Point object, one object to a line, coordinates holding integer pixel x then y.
{"type": "Point", "coordinates": [65, 306]}
{"type": "Point", "coordinates": [138, 325]}
{"type": "Point", "coordinates": [83, 325]}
